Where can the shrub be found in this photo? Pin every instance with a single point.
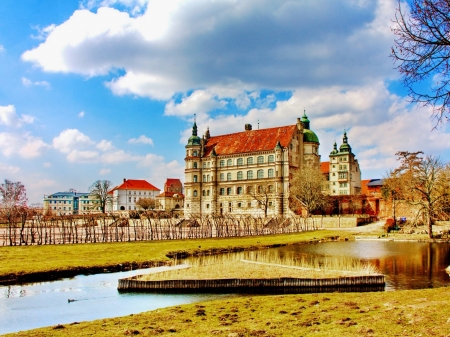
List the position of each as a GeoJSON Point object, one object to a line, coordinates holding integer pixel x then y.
{"type": "Point", "coordinates": [389, 225]}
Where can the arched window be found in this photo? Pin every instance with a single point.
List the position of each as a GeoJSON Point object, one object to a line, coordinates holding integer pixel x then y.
{"type": "Point", "coordinates": [194, 153]}
{"type": "Point", "coordinates": [222, 163]}
{"type": "Point", "coordinates": [195, 193]}
{"type": "Point", "coordinates": [260, 174]}
{"type": "Point", "coordinates": [228, 176]}
{"type": "Point", "coordinates": [260, 189]}
{"type": "Point", "coordinates": [249, 160]}
{"type": "Point", "coordinates": [229, 162]}
{"type": "Point", "coordinates": [240, 176]}
{"type": "Point", "coordinates": [239, 190]}
{"type": "Point", "coordinates": [204, 193]}
{"type": "Point", "coordinates": [240, 161]}
{"type": "Point", "coordinates": [195, 178]}
{"type": "Point", "coordinates": [204, 177]}
{"type": "Point", "coordinates": [207, 193]}
{"type": "Point", "coordinates": [271, 188]}
{"type": "Point", "coordinates": [260, 159]}
{"type": "Point", "coordinates": [222, 176]}
{"type": "Point", "coordinates": [229, 191]}
{"type": "Point", "coordinates": [249, 190]}
{"type": "Point", "coordinates": [204, 165]}
{"type": "Point", "coordinates": [270, 159]}
{"type": "Point", "coordinates": [249, 174]}
{"type": "Point", "coordinates": [270, 173]}
{"type": "Point", "coordinates": [195, 164]}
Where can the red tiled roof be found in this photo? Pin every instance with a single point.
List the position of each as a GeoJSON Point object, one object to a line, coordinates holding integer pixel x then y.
{"type": "Point", "coordinates": [134, 184]}
{"type": "Point", "coordinates": [173, 181]}
{"type": "Point", "coordinates": [250, 141]}
{"type": "Point", "coordinates": [325, 167]}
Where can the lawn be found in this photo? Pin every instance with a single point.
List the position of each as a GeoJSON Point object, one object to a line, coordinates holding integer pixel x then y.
{"type": "Point", "coordinates": [398, 313]}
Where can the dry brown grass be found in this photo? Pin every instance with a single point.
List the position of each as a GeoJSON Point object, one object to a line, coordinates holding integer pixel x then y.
{"type": "Point", "coordinates": [262, 266]}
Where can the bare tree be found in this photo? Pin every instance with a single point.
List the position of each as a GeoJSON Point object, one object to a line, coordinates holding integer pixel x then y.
{"type": "Point", "coordinates": [99, 190]}
{"type": "Point", "coordinates": [306, 189]}
{"type": "Point", "coordinates": [263, 194]}
{"type": "Point", "coordinates": [423, 182]}
{"type": "Point", "coordinates": [148, 203]}
{"type": "Point", "coordinates": [422, 52]}
{"type": "Point", "coordinates": [13, 205]}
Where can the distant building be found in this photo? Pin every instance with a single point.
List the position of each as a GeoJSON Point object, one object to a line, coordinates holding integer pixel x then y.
{"type": "Point", "coordinates": [223, 173]}
{"type": "Point", "coordinates": [172, 198]}
{"type": "Point", "coordinates": [65, 203]}
{"type": "Point", "coordinates": [124, 196]}
{"type": "Point", "coordinates": [342, 171]}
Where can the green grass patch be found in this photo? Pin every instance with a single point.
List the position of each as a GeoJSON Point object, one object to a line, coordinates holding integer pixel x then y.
{"type": "Point", "coordinates": [399, 313]}
{"type": "Point", "coordinates": [19, 261]}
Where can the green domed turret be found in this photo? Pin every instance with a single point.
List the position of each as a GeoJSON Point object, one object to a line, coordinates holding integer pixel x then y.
{"type": "Point", "coordinates": [335, 150]}
{"type": "Point", "coordinates": [308, 135]}
{"type": "Point", "coordinates": [345, 147]}
{"type": "Point", "coordinates": [194, 139]}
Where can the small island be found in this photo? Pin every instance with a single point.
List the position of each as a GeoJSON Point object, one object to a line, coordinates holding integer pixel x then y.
{"type": "Point", "coordinates": [267, 275]}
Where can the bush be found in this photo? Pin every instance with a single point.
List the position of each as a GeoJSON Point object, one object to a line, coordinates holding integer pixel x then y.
{"type": "Point", "coordinates": [389, 225]}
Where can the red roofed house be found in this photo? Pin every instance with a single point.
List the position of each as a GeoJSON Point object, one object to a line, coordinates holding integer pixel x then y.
{"type": "Point", "coordinates": [224, 173]}
{"type": "Point", "coordinates": [126, 194]}
{"type": "Point", "coordinates": [172, 198]}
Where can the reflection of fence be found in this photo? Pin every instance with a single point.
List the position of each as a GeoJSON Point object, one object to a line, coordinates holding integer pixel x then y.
{"type": "Point", "coordinates": [91, 228]}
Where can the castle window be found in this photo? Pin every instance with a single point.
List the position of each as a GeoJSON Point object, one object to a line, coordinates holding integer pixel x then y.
{"type": "Point", "coordinates": [228, 176]}
{"type": "Point", "coordinates": [249, 160]}
{"type": "Point", "coordinates": [271, 188]}
{"type": "Point", "coordinates": [239, 204]}
{"type": "Point", "coordinates": [195, 164]}
{"type": "Point", "coordinates": [222, 163]}
{"type": "Point", "coordinates": [222, 176]}
{"type": "Point", "coordinates": [271, 159]}
{"type": "Point", "coordinates": [260, 174]}
{"type": "Point", "coordinates": [194, 153]}
{"type": "Point", "coordinates": [229, 162]}
{"type": "Point", "coordinates": [260, 159]}
{"type": "Point", "coordinates": [240, 161]}
{"type": "Point", "coordinates": [240, 175]}
{"type": "Point", "coordinates": [239, 190]}
{"type": "Point", "coordinates": [249, 174]}
{"type": "Point", "coordinates": [204, 177]}
{"type": "Point", "coordinates": [270, 173]}
{"type": "Point", "coordinates": [222, 191]}
{"type": "Point", "coordinates": [207, 193]}
{"type": "Point", "coordinates": [229, 207]}
{"type": "Point", "coordinates": [195, 193]}
{"type": "Point", "coordinates": [207, 205]}
{"type": "Point", "coordinates": [204, 193]}
{"type": "Point", "coordinates": [207, 178]}
{"type": "Point", "coordinates": [260, 190]}
{"type": "Point", "coordinates": [195, 178]}
{"type": "Point", "coordinates": [249, 190]}
{"type": "Point", "coordinates": [207, 164]}
{"type": "Point", "coordinates": [204, 165]}
{"type": "Point", "coordinates": [229, 191]}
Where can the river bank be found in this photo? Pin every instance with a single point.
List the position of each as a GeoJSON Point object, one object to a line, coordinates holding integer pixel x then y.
{"type": "Point", "coordinates": [422, 312]}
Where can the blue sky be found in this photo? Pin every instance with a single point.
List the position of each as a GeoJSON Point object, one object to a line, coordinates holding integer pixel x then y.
{"type": "Point", "coordinates": [107, 89]}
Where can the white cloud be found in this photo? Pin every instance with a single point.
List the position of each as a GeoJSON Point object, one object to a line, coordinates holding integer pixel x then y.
{"type": "Point", "coordinates": [81, 114]}
{"type": "Point", "coordinates": [47, 164]}
{"type": "Point", "coordinates": [28, 83]}
{"type": "Point", "coordinates": [199, 102]}
{"type": "Point", "coordinates": [141, 139]}
{"type": "Point", "coordinates": [118, 156]}
{"type": "Point", "coordinates": [104, 171]}
{"type": "Point", "coordinates": [71, 139]}
{"type": "Point", "coordinates": [177, 46]}
{"type": "Point", "coordinates": [105, 145]}
{"type": "Point", "coordinates": [24, 144]}
{"type": "Point", "coordinates": [82, 156]}
{"type": "Point", "coordinates": [8, 169]}
{"type": "Point", "coordinates": [9, 117]}
{"type": "Point", "coordinates": [159, 170]}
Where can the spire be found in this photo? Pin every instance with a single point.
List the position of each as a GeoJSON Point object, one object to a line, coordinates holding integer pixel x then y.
{"type": "Point", "coordinates": [194, 127]}
{"type": "Point", "coordinates": [345, 147]}
{"type": "Point", "coordinates": [335, 150]}
{"type": "Point", "coordinates": [345, 139]}
{"type": "Point", "coordinates": [305, 120]}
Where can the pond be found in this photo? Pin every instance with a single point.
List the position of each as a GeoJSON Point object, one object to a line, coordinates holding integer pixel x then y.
{"type": "Point", "coordinates": [406, 266]}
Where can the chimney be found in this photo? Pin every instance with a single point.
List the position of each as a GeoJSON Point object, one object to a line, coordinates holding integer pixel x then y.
{"type": "Point", "coordinates": [124, 180]}
{"type": "Point", "coordinates": [248, 127]}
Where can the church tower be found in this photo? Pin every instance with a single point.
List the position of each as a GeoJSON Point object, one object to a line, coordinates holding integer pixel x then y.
{"type": "Point", "coordinates": [193, 172]}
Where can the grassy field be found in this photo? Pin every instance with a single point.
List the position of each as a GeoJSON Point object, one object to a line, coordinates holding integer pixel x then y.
{"type": "Point", "coordinates": [398, 313]}
{"type": "Point", "coordinates": [51, 260]}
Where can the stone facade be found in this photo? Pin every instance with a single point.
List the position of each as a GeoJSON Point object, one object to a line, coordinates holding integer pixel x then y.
{"type": "Point", "coordinates": [246, 172]}
{"type": "Point", "coordinates": [172, 198]}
